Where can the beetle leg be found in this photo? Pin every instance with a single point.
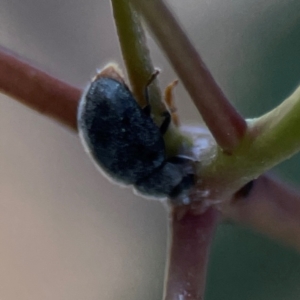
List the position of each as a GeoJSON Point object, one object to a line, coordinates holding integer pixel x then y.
{"type": "Point", "coordinates": [187, 182]}
{"type": "Point", "coordinates": [166, 122]}
{"type": "Point", "coordinates": [188, 178]}
{"type": "Point", "coordinates": [147, 107]}
{"type": "Point", "coordinates": [147, 110]}
{"type": "Point", "coordinates": [179, 160]}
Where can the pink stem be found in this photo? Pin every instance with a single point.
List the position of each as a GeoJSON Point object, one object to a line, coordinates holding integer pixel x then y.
{"type": "Point", "coordinates": [270, 208]}
{"type": "Point", "coordinates": [38, 90]}
{"type": "Point", "coordinates": [189, 250]}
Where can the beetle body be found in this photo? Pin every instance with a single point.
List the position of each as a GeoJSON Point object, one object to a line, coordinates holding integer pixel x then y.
{"type": "Point", "coordinates": [125, 142]}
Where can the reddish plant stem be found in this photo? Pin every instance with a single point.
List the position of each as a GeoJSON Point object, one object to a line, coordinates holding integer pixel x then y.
{"type": "Point", "coordinates": [191, 237]}
{"type": "Point", "coordinates": [38, 90]}
{"type": "Point", "coordinates": [270, 208]}
{"type": "Point", "coordinates": [222, 119]}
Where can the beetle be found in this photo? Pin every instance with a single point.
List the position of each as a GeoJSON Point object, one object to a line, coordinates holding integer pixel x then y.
{"type": "Point", "coordinates": [124, 141]}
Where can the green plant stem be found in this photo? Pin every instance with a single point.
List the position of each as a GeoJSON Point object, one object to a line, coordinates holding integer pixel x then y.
{"type": "Point", "coordinates": [277, 133]}
{"type": "Point", "coordinates": [224, 122]}
{"type": "Point", "coordinates": [270, 140]}
{"type": "Point", "coordinates": [139, 67]}
{"type": "Point", "coordinates": [136, 54]}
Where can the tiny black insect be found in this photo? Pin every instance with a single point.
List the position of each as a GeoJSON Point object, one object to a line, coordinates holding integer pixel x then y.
{"type": "Point", "coordinates": [126, 143]}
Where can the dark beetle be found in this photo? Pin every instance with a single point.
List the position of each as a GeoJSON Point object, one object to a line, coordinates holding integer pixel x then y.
{"type": "Point", "coordinates": [126, 143]}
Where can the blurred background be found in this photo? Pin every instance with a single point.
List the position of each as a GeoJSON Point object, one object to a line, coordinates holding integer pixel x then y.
{"type": "Point", "coordinates": [68, 233]}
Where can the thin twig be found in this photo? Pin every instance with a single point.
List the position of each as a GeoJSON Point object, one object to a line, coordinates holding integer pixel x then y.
{"type": "Point", "coordinates": [135, 53]}
{"type": "Point", "coordinates": [140, 68]}
{"type": "Point", "coordinates": [226, 125]}
{"type": "Point", "coordinates": [271, 208]}
{"type": "Point", "coordinates": [276, 134]}
{"type": "Point", "coordinates": [38, 90]}
{"type": "Point", "coordinates": [191, 237]}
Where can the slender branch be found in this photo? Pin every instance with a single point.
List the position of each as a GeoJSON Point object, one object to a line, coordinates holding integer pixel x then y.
{"type": "Point", "coordinates": [270, 208]}
{"type": "Point", "coordinates": [135, 52]}
{"type": "Point", "coordinates": [38, 90]}
{"type": "Point", "coordinates": [269, 140]}
{"type": "Point", "coordinates": [276, 135]}
{"type": "Point", "coordinates": [191, 237]}
{"type": "Point", "coordinates": [139, 67]}
{"type": "Point", "coordinates": [226, 125]}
